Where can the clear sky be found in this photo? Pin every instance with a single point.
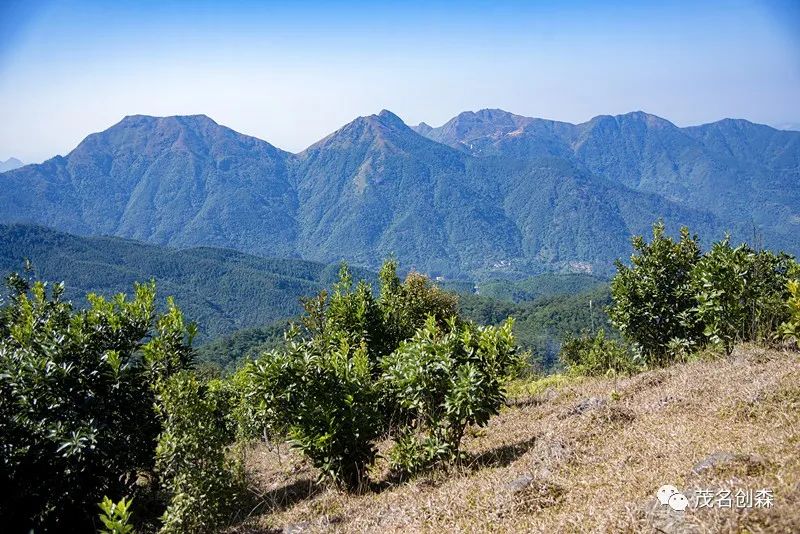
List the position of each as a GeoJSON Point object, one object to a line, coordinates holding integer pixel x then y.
{"type": "Point", "coordinates": [292, 72]}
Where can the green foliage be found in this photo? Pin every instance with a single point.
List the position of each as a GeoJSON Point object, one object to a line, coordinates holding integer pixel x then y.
{"type": "Point", "coordinates": [653, 300]}
{"type": "Point", "coordinates": [740, 293]}
{"type": "Point", "coordinates": [324, 398]}
{"type": "Point", "coordinates": [116, 517]}
{"type": "Point", "coordinates": [790, 330]}
{"type": "Point", "coordinates": [76, 399]}
{"type": "Point", "coordinates": [442, 380]}
{"type": "Point", "coordinates": [673, 300]}
{"type": "Point", "coordinates": [325, 390]}
{"type": "Point", "coordinates": [221, 290]}
{"type": "Point", "coordinates": [320, 389]}
{"type": "Point", "coordinates": [201, 479]}
{"type": "Point", "coordinates": [407, 305]}
{"type": "Point", "coordinates": [541, 325]}
{"type": "Point", "coordinates": [351, 313]}
{"type": "Point", "coordinates": [596, 356]}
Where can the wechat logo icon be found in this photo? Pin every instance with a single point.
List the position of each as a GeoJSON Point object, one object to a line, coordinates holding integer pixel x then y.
{"type": "Point", "coordinates": [670, 496]}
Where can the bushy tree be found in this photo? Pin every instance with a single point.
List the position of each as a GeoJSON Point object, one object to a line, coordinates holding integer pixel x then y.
{"type": "Point", "coordinates": [324, 398]}
{"type": "Point", "coordinates": [406, 305]}
{"type": "Point", "coordinates": [767, 292]}
{"type": "Point", "coordinates": [202, 480]}
{"type": "Point", "coordinates": [740, 293]}
{"type": "Point", "coordinates": [350, 312]}
{"type": "Point", "coordinates": [596, 355]}
{"type": "Point", "coordinates": [325, 389]}
{"type": "Point", "coordinates": [76, 399]}
{"type": "Point", "coordinates": [790, 329]}
{"type": "Point", "coordinates": [653, 299]}
{"type": "Point", "coordinates": [320, 390]}
{"type": "Point", "coordinates": [442, 380]}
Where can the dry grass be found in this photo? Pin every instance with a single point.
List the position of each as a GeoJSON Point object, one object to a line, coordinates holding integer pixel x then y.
{"type": "Point", "coordinates": [568, 458]}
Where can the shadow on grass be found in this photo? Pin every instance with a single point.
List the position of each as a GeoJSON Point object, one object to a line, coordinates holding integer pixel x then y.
{"type": "Point", "coordinates": [286, 496]}
{"type": "Point", "coordinates": [499, 456]}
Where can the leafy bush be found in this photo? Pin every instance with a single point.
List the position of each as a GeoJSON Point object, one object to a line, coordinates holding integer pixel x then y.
{"type": "Point", "coordinates": [116, 517]}
{"type": "Point", "coordinates": [596, 356]}
{"type": "Point", "coordinates": [351, 312]}
{"type": "Point", "coordinates": [653, 300]}
{"type": "Point", "coordinates": [76, 402]}
{"type": "Point", "coordinates": [200, 478]}
{"type": "Point", "coordinates": [740, 293]}
{"type": "Point", "coordinates": [719, 282]}
{"type": "Point", "coordinates": [324, 397]}
{"type": "Point", "coordinates": [442, 380]}
{"type": "Point", "coordinates": [323, 389]}
{"type": "Point", "coordinates": [406, 306]}
{"type": "Point", "coordinates": [790, 330]}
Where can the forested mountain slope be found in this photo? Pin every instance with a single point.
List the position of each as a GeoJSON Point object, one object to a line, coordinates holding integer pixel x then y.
{"type": "Point", "coordinates": [488, 194]}
{"type": "Point", "coordinates": [222, 290]}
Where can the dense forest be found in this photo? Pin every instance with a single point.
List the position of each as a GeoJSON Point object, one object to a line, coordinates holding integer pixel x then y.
{"type": "Point", "coordinates": [221, 290]}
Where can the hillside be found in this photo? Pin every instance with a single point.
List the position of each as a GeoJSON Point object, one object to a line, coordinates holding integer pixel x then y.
{"type": "Point", "coordinates": [743, 173]}
{"type": "Point", "coordinates": [487, 195]}
{"type": "Point", "coordinates": [565, 457]}
{"type": "Point", "coordinates": [242, 303]}
{"type": "Point", "coordinates": [222, 290]}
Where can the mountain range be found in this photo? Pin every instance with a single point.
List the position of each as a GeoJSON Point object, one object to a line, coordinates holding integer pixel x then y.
{"type": "Point", "coordinates": [10, 164]}
{"type": "Point", "coordinates": [488, 194]}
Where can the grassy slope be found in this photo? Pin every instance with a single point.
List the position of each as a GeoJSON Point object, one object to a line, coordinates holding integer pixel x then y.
{"type": "Point", "coordinates": [593, 471]}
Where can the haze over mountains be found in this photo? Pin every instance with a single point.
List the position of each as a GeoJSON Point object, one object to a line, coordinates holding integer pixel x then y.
{"type": "Point", "coordinates": [10, 164]}
{"type": "Point", "coordinates": [487, 194]}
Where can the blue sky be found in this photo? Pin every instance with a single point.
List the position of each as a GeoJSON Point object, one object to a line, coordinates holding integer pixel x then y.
{"type": "Point", "coordinates": [292, 72]}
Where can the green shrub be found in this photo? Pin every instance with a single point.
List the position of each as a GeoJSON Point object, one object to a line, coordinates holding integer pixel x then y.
{"type": "Point", "coordinates": [767, 292]}
{"type": "Point", "coordinates": [596, 356]}
{"type": "Point", "coordinates": [76, 402]}
{"type": "Point", "coordinates": [720, 282]}
{"type": "Point", "coordinates": [116, 517]}
{"type": "Point", "coordinates": [740, 293]}
{"type": "Point", "coordinates": [790, 330]}
{"type": "Point", "coordinates": [325, 399]}
{"type": "Point", "coordinates": [322, 390]}
{"type": "Point", "coordinates": [196, 471]}
{"type": "Point", "coordinates": [407, 305]}
{"type": "Point", "coordinates": [351, 312]}
{"type": "Point", "coordinates": [653, 300]}
{"type": "Point", "coordinates": [442, 380]}
{"type": "Point", "coordinates": [338, 388]}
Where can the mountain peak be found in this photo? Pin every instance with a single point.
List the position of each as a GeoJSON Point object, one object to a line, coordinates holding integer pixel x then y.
{"type": "Point", "coordinates": [385, 127]}
{"type": "Point", "coordinates": [653, 121]}
{"type": "Point", "coordinates": [10, 164]}
{"type": "Point", "coordinates": [186, 120]}
{"type": "Point", "coordinates": [387, 115]}
{"type": "Point", "coordinates": [470, 131]}
{"type": "Point", "coordinates": [152, 135]}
